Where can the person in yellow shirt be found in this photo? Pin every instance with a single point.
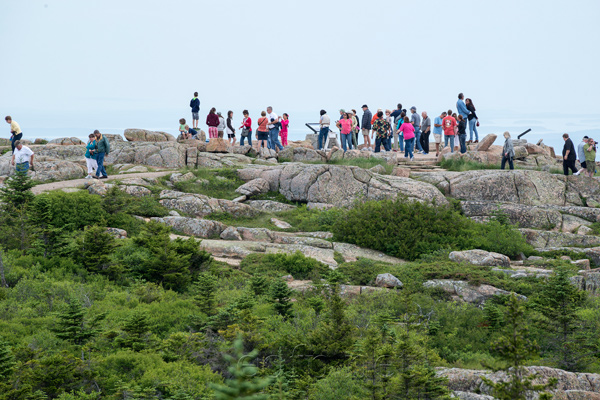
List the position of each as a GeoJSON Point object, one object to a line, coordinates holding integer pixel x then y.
{"type": "Point", "coordinates": [15, 131]}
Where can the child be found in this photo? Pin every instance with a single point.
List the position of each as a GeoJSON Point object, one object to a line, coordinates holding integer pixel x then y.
{"type": "Point", "coordinates": [90, 157]}
{"type": "Point", "coordinates": [284, 129]}
{"type": "Point", "coordinates": [230, 129]}
{"type": "Point", "coordinates": [186, 131]}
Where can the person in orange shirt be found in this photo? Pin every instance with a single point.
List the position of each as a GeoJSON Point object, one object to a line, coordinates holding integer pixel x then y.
{"type": "Point", "coordinates": [449, 123]}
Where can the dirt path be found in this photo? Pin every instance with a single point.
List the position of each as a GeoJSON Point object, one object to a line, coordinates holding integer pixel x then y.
{"type": "Point", "coordinates": [75, 183]}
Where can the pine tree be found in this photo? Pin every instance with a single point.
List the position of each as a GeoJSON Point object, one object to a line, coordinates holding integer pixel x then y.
{"type": "Point", "coordinates": [558, 303]}
{"type": "Point", "coordinates": [72, 325]}
{"type": "Point", "coordinates": [515, 348]}
{"type": "Point", "coordinates": [245, 385]}
{"type": "Point", "coordinates": [94, 248]}
{"type": "Point", "coordinates": [333, 336]}
{"type": "Point", "coordinates": [7, 360]}
{"type": "Point", "coordinates": [135, 332]}
{"type": "Point", "coordinates": [50, 238]}
{"type": "Point", "coordinates": [280, 297]}
{"type": "Point", "coordinates": [206, 290]}
{"type": "Point", "coordinates": [14, 223]}
{"type": "Point", "coordinates": [259, 284]}
{"type": "Point", "coordinates": [17, 191]}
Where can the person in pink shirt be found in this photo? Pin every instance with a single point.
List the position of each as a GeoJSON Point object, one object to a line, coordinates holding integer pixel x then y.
{"type": "Point", "coordinates": [345, 125]}
{"type": "Point", "coordinates": [408, 131]}
{"type": "Point", "coordinates": [284, 129]}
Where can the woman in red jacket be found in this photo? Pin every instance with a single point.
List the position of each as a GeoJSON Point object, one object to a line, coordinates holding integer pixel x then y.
{"type": "Point", "coordinates": [212, 120]}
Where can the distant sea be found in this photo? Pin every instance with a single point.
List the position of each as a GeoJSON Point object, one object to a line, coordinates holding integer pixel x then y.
{"type": "Point", "coordinates": [548, 127]}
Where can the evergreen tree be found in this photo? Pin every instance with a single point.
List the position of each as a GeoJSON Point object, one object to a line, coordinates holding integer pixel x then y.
{"type": "Point", "coordinates": [559, 302]}
{"type": "Point", "coordinates": [136, 335]}
{"type": "Point", "coordinates": [94, 248]}
{"type": "Point", "coordinates": [333, 335]}
{"type": "Point", "coordinates": [259, 284]}
{"type": "Point", "coordinates": [72, 324]}
{"type": "Point", "coordinates": [50, 238]}
{"type": "Point", "coordinates": [17, 191]}
{"type": "Point", "coordinates": [515, 348]}
{"type": "Point", "coordinates": [7, 361]}
{"type": "Point", "coordinates": [245, 385]}
{"type": "Point", "coordinates": [280, 297]}
{"type": "Point", "coordinates": [206, 290]}
{"type": "Point", "coordinates": [14, 223]}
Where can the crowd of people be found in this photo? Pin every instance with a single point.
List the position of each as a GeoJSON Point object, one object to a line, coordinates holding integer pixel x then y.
{"type": "Point", "coordinates": [586, 153]}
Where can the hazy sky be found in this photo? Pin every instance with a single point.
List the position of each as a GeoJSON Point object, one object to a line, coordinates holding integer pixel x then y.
{"type": "Point", "coordinates": [106, 58]}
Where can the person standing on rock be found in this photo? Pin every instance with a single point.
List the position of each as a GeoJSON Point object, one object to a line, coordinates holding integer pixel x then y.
{"type": "Point", "coordinates": [438, 132]}
{"type": "Point", "coordinates": [102, 150]}
{"type": "Point", "coordinates": [262, 134]}
{"type": "Point", "coordinates": [472, 120]}
{"type": "Point", "coordinates": [230, 129]}
{"type": "Point", "coordinates": [415, 119]}
{"type": "Point", "coordinates": [425, 132]}
{"type": "Point", "coordinates": [345, 126]}
{"type": "Point", "coordinates": [366, 125]}
{"type": "Point", "coordinates": [449, 123]}
{"type": "Point", "coordinates": [246, 129]}
{"type": "Point", "coordinates": [569, 155]}
{"type": "Point", "coordinates": [90, 156]}
{"type": "Point", "coordinates": [456, 142]}
{"type": "Point", "coordinates": [461, 107]}
{"type": "Point", "coordinates": [195, 105]}
{"type": "Point", "coordinates": [15, 131]}
{"type": "Point", "coordinates": [581, 155]}
{"type": "Point", "coordinates": [273, 119]}
{"type": "Point", "coordinates": [22, 157]}
{"type": "Point", "coordinates": [324, 122]}
{"type": "Point", "coordinates": [396, 116]}
{"type": "Point", "coordinates": [381, 128]}
{"type": "Point", "coordinates": [221, 126]}
{"type": "Point", "coordinates": [590, 157]}
{"type": "Point", "coordinates": [407, 130]}
{"type": "Point", "coordinates": [355, 129]}
{"type": "Point", "coordinates": [508, 152]}
{"type": "Point", "coordinates": [398, 132]}
{"type": "Point", "coordinates": [388, 139]}
{"type": "Point", "coordinates": [285, 123]}
{"type": "Point", "coordinates": [462, 134]}
{"type": "Point", "coordinates": [212, 120]}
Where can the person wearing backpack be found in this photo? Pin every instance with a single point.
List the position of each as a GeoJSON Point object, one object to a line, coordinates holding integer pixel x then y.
{"type": "Point", "coordinates": [102, 150]}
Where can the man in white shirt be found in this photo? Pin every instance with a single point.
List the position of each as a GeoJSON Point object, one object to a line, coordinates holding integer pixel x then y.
{"type": "Point", "coordinates": [22, 157]}
{"type": "Point", "coordinates": [273, 142]}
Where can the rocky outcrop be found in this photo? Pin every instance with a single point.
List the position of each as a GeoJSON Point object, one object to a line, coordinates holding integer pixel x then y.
{"type": "Point", "coordinates": [570, 386]}
{"type": "Point", "coordinates": [387, 280]}
{"type": "Point", "coordinates": [588, 281]}
{"type": "Point", "coordinates": [217, 145]}
{"type": "Point", "coordinates": [464, 291]}
{"type": "Point", "coordinates": [197, 227]}
{"type": "Point", "coordinates": [535, 188]}
{"type": "Point", "coordinates": [254, 187]}
{"type": "Point", "coordinates": [159, 154]}
{"type": "Point", "coordinates": [66, 141]}
{"type": "Point", "coordinates": [200, 205]}
{"type": "Point", "coordinates": [216, 160]}
{"type": "Point", "coordinates": [178, 177]}
{"type": "Point", "coordinates": [143, 135]}
{"type": "Point", "coordinates": [338, 185]}
{"type": "Point", "coordinates": [46, 168]}
{"type": "Point", "coordinates": [301, 154]}
{"type": "Point", "coordinates": [486, 142]}
{"type": "Point", "coordinates": [480, 257]}
{"type": "Point", "coordinates": [269, 205]}
{"type": "Point", "coordinates": [542, 239]}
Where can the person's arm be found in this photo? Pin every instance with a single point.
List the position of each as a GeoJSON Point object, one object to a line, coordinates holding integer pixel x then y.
{"type": "Point", "coordinates": [12, 160]}
{"type": "Point", "coordinates": [32, 156]}
{"type": "Point", "coordinates": [229, 125]}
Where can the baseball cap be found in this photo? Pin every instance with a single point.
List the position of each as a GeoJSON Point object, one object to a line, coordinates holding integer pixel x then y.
{"type": "Point", "coordinates": [413, 108]}
{"type": "Point", "coordinates": [365, 106]}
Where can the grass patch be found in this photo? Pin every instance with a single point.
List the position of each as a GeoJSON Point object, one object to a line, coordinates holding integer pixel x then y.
{"type": "Point", "coordinates": [460, 164]}
{"type": "Point", "coordinates": [365, 163]}
{"type": "Point", "coordinates": [217, 183]}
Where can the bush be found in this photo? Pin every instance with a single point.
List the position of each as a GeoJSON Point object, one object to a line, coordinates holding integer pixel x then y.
{"type": "Point", "coordinates": [408, 229]}
{"type": "Point", "coordinates": [76, 210]}
{"type": "Point", "coordinates": [275, 265]}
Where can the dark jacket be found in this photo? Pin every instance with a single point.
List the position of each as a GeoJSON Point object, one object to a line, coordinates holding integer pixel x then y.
{"type": "Point", "coordinates": [366, 119]}
{"type": "Point", "coordinates": [102, 145]}
{"type": "Point", "coordinates": [471, 108]}
{"type": "Point", "coordinates": [212, 120]}
{"type": "Point", "coordinates": [572, 153]}
{"type": "Point", "coordinates": [195, 104]}
{"type": "Point", "coordinates": [462, 127]}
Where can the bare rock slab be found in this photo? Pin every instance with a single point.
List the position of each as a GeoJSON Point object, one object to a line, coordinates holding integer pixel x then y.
{"type": "Point", "coordinates": [480, 257]}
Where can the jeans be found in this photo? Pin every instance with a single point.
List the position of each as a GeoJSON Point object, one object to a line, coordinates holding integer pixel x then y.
{"type": "Point", "coordinates": [569, 164]}
{"type": "Point", "coordinates": [449, 138]}
{"type": "Point", "coordinates": [22, 167]}
{"type": "Point", "coordinates": [13, 139]}
{"type": "Point", "coordinates": [249, 137]}
{"type": "Point", "coordinates": [462, 139]}
{"type": "Point", "coordinates": [387, 144]}
{"type": "Point", "coordinates": [101, 171]}
{"type": "Point", "coordinates": [510, 162]}
{"type": "Point", "coordinates": [273, 141]}
{"type": "Point", "coordinates": [401, 141]}
{"type": "Point", "coordinates": [323, 136]}
{"type": "Point", "coordinates": [473, 128]}
{"type": "Point", "coordinates": [346, 141]}
{"type": "Point", "coordinates": [378, 142]}
{"type": "Point", "coordinates": [409, 146]}
{"type": "Point", "coordinates": [425, 141]}
{"type": "Point", "coordinates": [418, 139]}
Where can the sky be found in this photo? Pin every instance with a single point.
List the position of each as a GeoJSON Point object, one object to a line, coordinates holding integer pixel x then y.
{"type": "Point", "coordinates": [68, 63]}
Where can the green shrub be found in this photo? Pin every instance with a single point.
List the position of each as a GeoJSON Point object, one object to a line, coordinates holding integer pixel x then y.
{"type": "Point", "coordinates": [275, 265]}
{"type": "Point", "coordinates": [408, 229]}
{"type": "Point", "coordinates": [76, 210]}
{"type": "Point", "coordinates": [363, 271]}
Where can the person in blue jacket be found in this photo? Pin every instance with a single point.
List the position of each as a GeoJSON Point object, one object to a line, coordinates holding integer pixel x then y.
{"type": "Point", "coordinates": [461, 107]}
{"type": "Point", "coordinates": [195, 104]}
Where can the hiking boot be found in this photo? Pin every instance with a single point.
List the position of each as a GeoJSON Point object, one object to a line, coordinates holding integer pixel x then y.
{"type": "Point", "coordinates": [95, 177]}
{"type": "Point", "coordinates": [103, 177]}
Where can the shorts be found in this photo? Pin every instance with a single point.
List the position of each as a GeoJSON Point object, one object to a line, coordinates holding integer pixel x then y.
{"type": "Point", "coordinates": [437, 137]}
{"type": "Point", "coordinates": [195, 116]}
{"type": "Point", "coordinates": [365, 132]}
{"type": "Point", "coordinates": [262, 135]}
{"type": "Point", "coordinates": [590, 166]}
{"type": "Point", "coordinates": [584, 165]}
{"type": "Point", "coordinates": [231, 135]}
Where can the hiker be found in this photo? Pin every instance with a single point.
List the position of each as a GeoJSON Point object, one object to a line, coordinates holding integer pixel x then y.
{"type": "Point", "coordinates": [212, 120]}
{"type": "Point", "coordinates": [186, 131]}
{"type": "Point", "coordinates": [90, 156]}
{"type": "Point", "coordinates": [461, 107]}
{"type": "Point", "coordinates": [425, 131]}
{"type": "Point", "coordinates": [462, 134]}
{"type": "Point", "coordinates": [398, 132]}
{"type": "Point", "coordinates": [590, 157]}
{"type": "Point", "coordinates": [396, 116]}
{"type": "Point", "coordinates": [262, 134]}
{"type": "Point", "coordinates": [345, 126]}
{"type": "Point", "coordinates": [324, 123]}
{"type": "Point", "coordinates": [472, 120]}
{"type": "Point", "coordinates": [15, 132]}
{"type": "Point", "coordinates": [415, 119]}
{"type": "Point", "coordinates": [355, 129]}
{"type": "Point", "coordinates": [195, 105]}
{"type": "Point", "coordinates": [230, 129]}
{"type": "Point", "coordinates": [581, 155]}
{"type": "Point", "coordinates": [569, 155]}
{"type": "Point", "coordinates": [381, 128]}
{"type": "Point", "coordinates": [273, 126]}
{"type": "Point", "coordinates": [508, 152]}
{"type": "Point", "coordinates": [285, 123]}
{"type": "Point", "coordinates": [221, 126]}
{"type": "Point", "coordinates": [366, 125]}
{"type": "Point", "coordinates": [102, 150]}
{"type": "Point", "coordinates": [438, 132]}
{"type": "Point", "coordinates": [449, 123]}
{"type": "Point", "coordinates": [22, 157]}
{"type": "Point", "coordinates": [246, 128]}
{"type": "Point", "coordinates": [407, 130]}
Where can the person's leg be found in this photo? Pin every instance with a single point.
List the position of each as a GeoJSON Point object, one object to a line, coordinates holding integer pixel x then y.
{"type": "Point", "coordinates": [284, 137]}
{"type": "Point", "coordinates": [451, 144]}
{"type": "Point", "coordinates": [388, 144]}
{"type": "Point", "coordinates": [401, 141]}
{"type": "Point", "coordinates": [463, 145]}
{"type": "Point", "coordinates": [475, 130]}
{"type": "Point", "coordinates": [377, 145]}
{"type": "Point", "coordinates": [471, 126]}
{"type": "Point", "coordinates": [395, 135]}
{"type": "Point", "coordinates": [276, 143]}
{"type": "Point", "coordinates": [565, 168]}
{"type": "Point", "coordinates": [410, 146]}
{"type": "Point", "coordinates": [418, 139]}
{"type": "Point", "coordinates": [249, 137]}
{"type": "Point", "coordinates": [425, 144]}
{"type": "Point", "coordinates": [510, 163]}
{"type": "Point", "coordinates": [88, 162]}
{"type": "Point", "coordinates": [503, 163]}
{"type": "Point", "coordinates": [100, 171]}
{"type": "Point", "coordinates": [242, 139]}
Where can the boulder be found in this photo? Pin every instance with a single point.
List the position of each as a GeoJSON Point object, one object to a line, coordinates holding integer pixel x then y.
{"type": "Point", "coordinates": [243, 150]}
{"type": "Point", "coordinates": [387, 281]}
{"type": "Point", "coordinates": [202, 228]}
{"type": "Point", "coordinates": [66, 141]}
{"type": "Point", "coordinates": [480, 257]}
{"type": "Point", "coordinates": [402, 172]}
{"type": "Point", "coordinates": [546, 239]}
{"type": "Point", "coordinates": [486, 142]}
{"type": "Point", "coordinates": [118, 233]}
{"type": "Point", "coordinates": [378, 169]}
{"type": "Point", "coordinates": [200, 205]}
{"type": "Point", "coordinates": [96, 187]}
{"type": "Point", "coordinates": [113, 137]}
{"type": "Point", "coordinates": [231, 233]}
{"type": "Point", "coordinates": [464, 291]}
{"type": "Point", "coordinates": [217, 145]}
{"type": "Point", "coordinates": [159, 154]}
{"type": "Point", "coordinates": [534, 149]}
{"type": "Point", "coordinates": [254, 187]}
{"type": "Point", "coordinates": [280, 224]}
{"type": "Point", "coordinates": [300, 154]}
{"type": "Point", "coordinates": [588, 281]}
{"type": "Point", "coordinates": [143, 135]}
{"type": "Point", "coordinates": [520, 152]}
{"type": "Point", "coordinates": [177, 177]}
